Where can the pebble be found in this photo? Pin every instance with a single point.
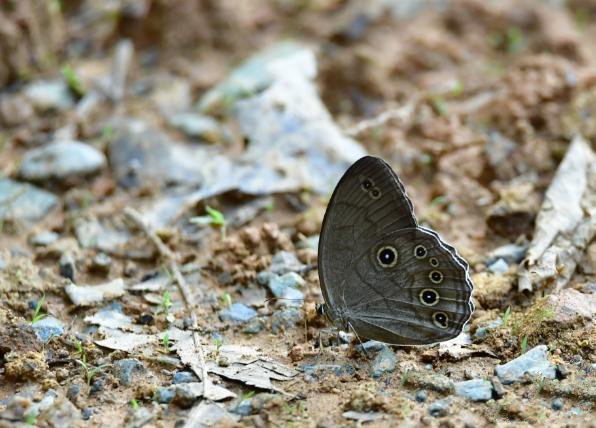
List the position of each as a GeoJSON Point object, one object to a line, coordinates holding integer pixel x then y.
{"type": "Point", "coordinates": [569, 305]}
{"type": "Point", "coordinates": [384, 362]}
{"type": "Point", "coordinates": [284, 262]}
{"type": "Point", "coordinates": [48, 327]}
{"type": "Point", "coordinates": [284, 319]}
{"type": "Point", "coordinates": [61, 160]}
{"type": "Point", "coordinates": [534, 362]}
{"type": "Point", "coordinates": [421, 396]}
{"type": "Point", "coordinates": [48, 95]}
{"type": "Point", "coordinates": [252, 405]}
{"type": "Point", "coordinates": [475, 389]}
{"type": "Point", "coordinates": [312, 372]}
{"type": "Point", "coordinates": [97, 385]}
{"type": "Point", "coordinates": [165, 395]}
{"type": "Point", "coordinates": [124, 370]}
{"type": "Point", "coordinates": [201, 127]}
{"type": "Point", "coordinates": [254, 326]}
{"type": "Point", "coordinates": [43, 239]}
{"type": "Point", "coordinates": [284, 287]}
{"type": "Point", "coordinates": [237, 313]}
{"type": "Point", "coordinates": [482, 331]}
{"type": "Point", "coordinates": [184, 377]}
{"type": "Point", "coordinates": [87, 412]}
{"type": "Point", "coordinates": [101, 263]}
{"type": "Point", "coordinates": [499, 267]}
{"type": "Point", "coordinates": [439, 408]}
{"type": "Point", "coordinates": [370, 346]}
{"type": "Point", "coordinates": [510, 253]}
{"type": "Point", "coordinates": [67, 266]}
{"type": "Point", "coordinates": [19, 201]}
{"type": "Point", "coordinates": [73, 392]}
{"type": "Point", "coordinates": [557, 404]}
{"type": "Point", "coordinates": [15, 110]}
{"type": "Point", "coordinates": [262, 278]}
{"type": "Point", "coordinates": [498, 388]}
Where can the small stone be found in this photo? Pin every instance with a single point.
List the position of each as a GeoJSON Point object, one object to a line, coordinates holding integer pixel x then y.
{"type": "Point", "coordinates": [23, 202]}
{"type": "Point", "coordinates": [510, 253]}
{"type": "Point", "coordinates": [101, 263]}
{"type": "Point", "coordinates": [124, 370]}
{"type": "Point", "coordinates": [48, 95]}
{"type": "Point", "coordinates": [87, 412]}
{"type": "Point", "coordinates": [296, 353]}
{"type": "Point", "coordinates": [48, 327]}
{"type": "Point", "coordinates": [557, 404]}
{"type": "Point", "coordinates": [61, 160]}
{"type": "Point", "coordinates": [384, 362]}
{"type": "Point", "coordinates": [284, 319]}
{"type": "Point", "coordinates": [421, 396]}
{"type": "Point", "coordinates": [498, 388]}
{"type": "Point", "coordinates": [370, 346]}
{"type": "Point", "coordinates": [263, 278]}
{"type": "Point", "coordinates": [73, 392]}
{"type": "Point", "coordinates": [284, 262]}
{"type": "Point", "coordinates": [284, 288]}
{"type": "Point", "coordinates": [482, 331]}
{"type": "Point", "coordinates": [563, 371]}
{"type": "Point", "coordinates": [475, 389]}
{"type": "Point", "coordinates": [165, 395]}
{"type": "Point", "coordinates": [97, 385]}
{"type": "Point", "coordinates": [184, 377]}
{"type": "Point", "coordinates": [203, 128]}
{"type": "Point", "coordinates": [68, 268]}
{"type": "Point", "coordinates": [237, 313]}
{"type": "Point", "coordinates": [439, 408]}
{"type": "Point", "coordinates": [570, 305]}
{"type": "Point", "coordinates": [43, 239]}
{"type": "Point", "coordinates": [312, 372]}
{"type": "Point", "coordinates": [254, 326]}
{"type": "Point", "coordinates": [534, 362]}
{"type": "Point", "coordinates": [15, 110]}
{"type": "Point", "coordinates": [499, 267]}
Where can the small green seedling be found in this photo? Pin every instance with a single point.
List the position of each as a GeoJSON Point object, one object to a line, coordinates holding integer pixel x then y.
{"type": "Point", "coordinates": [226, 300]}
{"type": "Point", "coordinates": [37, 315]}
{"type": "Point", "coordinates": [404, 378]}
{"type": "Point", "coordinates": [134, 404]}
{"type": "Point", "coordinates": [72, 80]}
{"type": "Point", "coordinates": [506, 315]}
{"type": "Point", "coordinates": [166, 303]}
{"type": "Point", "coordinates": [165, 341]}
{"type": "Point", "coordinates": [440, 106]}
{"type": "Point", "coordinates": [31, 419]}
{"type": "Point", "coordinates": [213, 218]}
{"type": "Point", "coordinates": [524, 344]}
{"type": "Point", "coordinates": [246, 395]}
{"type": "Point", "coordinates": [89, 371]}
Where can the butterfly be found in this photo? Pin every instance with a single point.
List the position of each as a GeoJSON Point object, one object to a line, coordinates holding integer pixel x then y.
{"type": "Point", "coordinates": [383, 276]}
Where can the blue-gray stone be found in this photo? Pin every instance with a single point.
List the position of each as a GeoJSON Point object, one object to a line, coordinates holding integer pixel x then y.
{"type": "Point", "coordinates": [19, 201]}
{"type": "Point", "coordinates": [49, 95]}
{"type": "Point", "coordinates": [421, 396]}
{"type": "Point", "coordinates": [510, 253]}
{"type": "Point", "coordinates": [557, 404]}
{"type": "Point", "coordinates": [237, 313]}
{"type": "Point", "coordinates": [87, 412]}
{"type": "Point", "coordinates": [499, 267]}
{"type": "Point", "coordinates": [475, 389]}
{"type": "Point", "coordinates": [184, 377]}
{"type": "Point", "coordinates": [43, 239]}
{"type": "Point", "coordinates": [48, 327]}
{"type": "Point", "coordinates": [251, 406]}
{"type": "Point", "coordinates": [534, 362]}
{"type": "Point", "coordinates": [263, 277]}
{"type": "Point", "coordinates": [243, 408]}
{"type": "Point", "coordinates": [2, 264]}
{"type": "Point", "coordinates": [284, 262]}
{"type": "Point", "coordinates": [61, 160]}
{"type": "Point", "coordinates": [311, 242]}
{"type": "Point", "coordinates": [439, 408]}
{"type": "Point", "coordinates": [384, 362]}
{"type": "Point", "coordinates": [284, 319]}
{"type": "Point", "coordinates": [312, 372]}
{"type": "Point", "coordinates": [198, 126]}
{"type": "Point", "coordinates": [370, 346]}
{"type": "Point", "coordinates": [97, 385]}
{"type": "Point", "coordinates": [165, 395]}
{"type": "Point", "coordinates": [253, 326]}
{"type": "Point", "coordinates": [73, 392]}
{"type": "Point", "coordinates": [482, 331]}
{"type": "Point", "coordinates": [284, 287]}
{"type": "Point", "coordinates": [124, 370]}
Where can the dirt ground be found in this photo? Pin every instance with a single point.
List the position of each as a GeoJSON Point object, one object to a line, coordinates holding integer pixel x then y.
{"type": "Point", "coordinates": [475, 104]}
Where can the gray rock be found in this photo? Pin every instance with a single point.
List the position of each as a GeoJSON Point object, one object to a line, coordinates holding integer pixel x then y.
{"type": "Point", "coordinates": [124, 370]}
{"type": "Point", "coordinates": [439, 408]}
{"type": "Point", "coordinates": [311, 242]}
{"type": "Point", "coordinates": [23, 202]}
{"type": "Point", "coordinates": [284, 288]}
{"type": "Point", "coordinates": [165, 395]}
{"type": "Point", "coordinates": [263, 278]}
{"type": "Point", "coordinates": [101, 263]}
{"type": "Point", "coordinates": [252, 405]}
{"type": "Point", "coordinates": [61, 160]}
{"type": "Point", "coordinates": [97, 385]}
{"type": "Point", "coordinates": [483, 330]}
{"type": "Point", "coordinates": [67, 266]}
{"type": "Point", "coordinates": [499, 267]}
{"type": "Point", "coordinates": [475, 389]}
{"type": "Point", "coordinates": [312, 372]}
{"type": "Point", "coordinates": [498, 388]}
{"type": "Point", "coordinates": [557, 404]}
{"type": "Point", "coordinates": [203, 128]}
{"type": "Point", "coordinates": [254, 326]}
{"type": "Point", "coordinates": [237, 313]}
{"type": "Point", "coordinates": [569, 305]}
{"type": "Point", "coordinates": [184, 377]}
{"type": "Point", "coordinates": [15, 110]}
{"type": "Point", "coordinates": [421, 396]}
{"type": "Point", "coordinates": [43, 239]}
{"type": "Point", "coordinates": [370, 346]}
{"type": "Point", "coordinates": [534, 362]}
{"type": "Point", "coordinates": [510, 253]}
{"type": "Point", "coordinates": [73, 392]}
{"type": "Point", "coordinates": [87, 412]}
{"type": "Point", "coordinates": [49, 95]}
{"type": "Point", "coordinates": [284, 262]}
{"type": "Point", "coordinates": [384, 362]}
{"type": "Point", "coordinates": [285, 319]}
{"type": "Point", "coordinates": [48, 327]}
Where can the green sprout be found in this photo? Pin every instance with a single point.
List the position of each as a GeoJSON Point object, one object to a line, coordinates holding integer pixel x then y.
{"type": "Point", "coordinates": [165, 341]}
{"type": "Point", "coordinates": [134, 404]}
{"type": "Point", "coordinates": [440, 105]}
{"type": "Point", "coordinates": [404, 378]}
{"type": "Point", "coordinates": [246, 395]}
{"type": "Point", "coordinates": [166, 303]}
{"type": "Point", "coordinates": [37, 315]}
{"type": "Point", "coordinates": [226, 300]}
{"type": "Point", "coordinates": [457, 89]}
{"type": "Point", "coordinates": [72, 80]}
{"type": "Point", "coordinates": [213, 218]}
{"type": "Point", "coordinates": [31, 419]}
{"type": "Point", "coordinates": [88, 370]}
{"type": "Point", "coordinates": [524, 344]}
{"type": "Point", "coordinates": [506, 315]}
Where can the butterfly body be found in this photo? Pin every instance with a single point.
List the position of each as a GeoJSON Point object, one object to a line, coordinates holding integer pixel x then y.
{"type": "Point", "coordinates": [382, 275]}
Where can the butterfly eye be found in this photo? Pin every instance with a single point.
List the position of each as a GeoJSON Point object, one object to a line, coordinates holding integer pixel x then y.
{"type": "Point", "coordinates": [366, 184]}
{"type": "Point", "coordinates": [420, 252]}
{"type": "Point", "coordinates": [387, 256]}
{"type": "Point", "coordinates": [440, 319]}
{"type": "Point", "coordinates": [429, 297]}
{"type": "Point", "coordinates": [433, 262]}
{"type": "Point", "coordinates": [436, 276]}
{"type": "Point", "coordinates": [375, 193]}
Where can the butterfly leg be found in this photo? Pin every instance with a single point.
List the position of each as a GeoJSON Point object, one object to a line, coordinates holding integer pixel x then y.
{"type": "Point", "coordinates": [360, 341]}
